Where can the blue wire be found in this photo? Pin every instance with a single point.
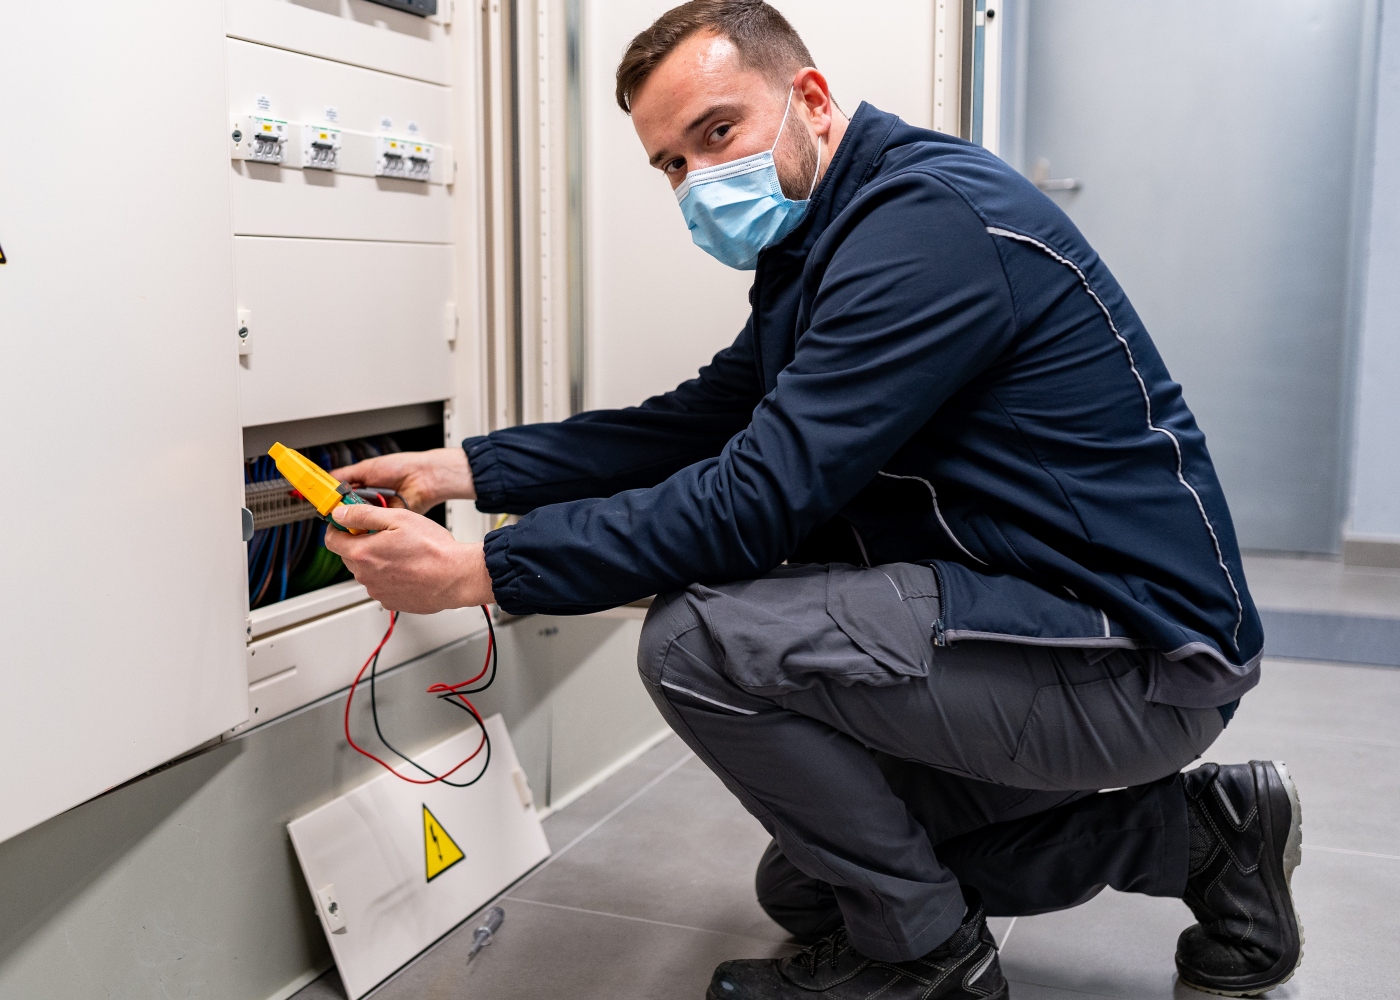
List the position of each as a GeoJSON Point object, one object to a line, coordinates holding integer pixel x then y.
{"type": "Point", "coordinates": [294, 536]}
{"type": "Point", "coordinates": [270, 553]}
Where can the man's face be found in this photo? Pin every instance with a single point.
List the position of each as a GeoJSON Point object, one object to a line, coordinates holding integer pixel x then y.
{"type": "Point", "coordinates": [701, 107]}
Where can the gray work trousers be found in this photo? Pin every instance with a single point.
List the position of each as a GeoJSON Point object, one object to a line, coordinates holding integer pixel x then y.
{"type": "Point", "coordinates": [888, 769]}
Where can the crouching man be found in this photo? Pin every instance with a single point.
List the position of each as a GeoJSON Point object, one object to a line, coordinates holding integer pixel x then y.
{"type": "Point", "coordinates": [941, 551]}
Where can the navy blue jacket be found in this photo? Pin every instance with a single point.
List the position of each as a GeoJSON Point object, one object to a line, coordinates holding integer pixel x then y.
{"type": "Point", "coordinates": [937, 368]}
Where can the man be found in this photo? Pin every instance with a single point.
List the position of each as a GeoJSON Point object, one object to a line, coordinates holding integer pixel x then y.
{"type": "Point", "coordinates": [940, 548]}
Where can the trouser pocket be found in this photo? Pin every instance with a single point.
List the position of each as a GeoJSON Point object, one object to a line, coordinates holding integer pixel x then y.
{"type": "Point", "coordinates": [801, 624]}
{"type": "Point", "coordinates": [887, 612]}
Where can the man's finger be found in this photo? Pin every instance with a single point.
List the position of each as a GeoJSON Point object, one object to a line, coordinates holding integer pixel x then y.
{"type": "Point", "coordinates": [363, 517]}
{"type": "Point", "coordinates": [350, 473]}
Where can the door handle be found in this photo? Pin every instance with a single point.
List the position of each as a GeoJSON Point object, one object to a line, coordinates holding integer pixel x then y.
{"type": "Point", "coordinates": [1040, 177]}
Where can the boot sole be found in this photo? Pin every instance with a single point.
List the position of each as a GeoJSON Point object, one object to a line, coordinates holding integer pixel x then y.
{"type": "Point", "coordinates": [1292, 858]}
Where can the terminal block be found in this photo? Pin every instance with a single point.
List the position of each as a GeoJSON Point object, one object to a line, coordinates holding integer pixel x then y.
{"type": "Point", "coordinates": [260, 139]}
{"type": "Point", "coordinates": [405, 159]}
{"type": "Point", "coordinates": [320, 147]}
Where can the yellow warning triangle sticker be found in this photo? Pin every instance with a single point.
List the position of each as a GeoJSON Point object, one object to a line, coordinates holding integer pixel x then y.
{"type": "Point", "coordinates": [440, 850]}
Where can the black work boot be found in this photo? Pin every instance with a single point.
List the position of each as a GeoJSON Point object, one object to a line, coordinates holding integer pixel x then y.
{"type": "Point", "coordinates": [964, 967]}
{"type": "Point", "coordinates": [1246, 839]}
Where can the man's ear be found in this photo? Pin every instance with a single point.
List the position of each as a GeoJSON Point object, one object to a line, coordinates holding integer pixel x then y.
{"type": "Point", "coordinates": [811, 88]}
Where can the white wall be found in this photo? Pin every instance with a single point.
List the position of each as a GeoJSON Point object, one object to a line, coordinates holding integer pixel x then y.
{"type": "Point", "coordinates": [659, 307]}
{"type": "Point", "coordinates": [1375, 499]}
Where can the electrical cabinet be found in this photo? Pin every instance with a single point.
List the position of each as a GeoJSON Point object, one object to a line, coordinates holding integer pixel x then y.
{"type": "Point", "coordinates": [121, 593]}
{"type": "Point", "coordinates": [349, 259]}
{"type": "Point", "coordinates": [289, 268]}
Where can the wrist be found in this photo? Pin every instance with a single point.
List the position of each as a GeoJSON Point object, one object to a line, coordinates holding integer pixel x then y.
{"type": "Point", "coordinates": [474, 580]}
{"type": "Point", "coordinates": [454, 475]}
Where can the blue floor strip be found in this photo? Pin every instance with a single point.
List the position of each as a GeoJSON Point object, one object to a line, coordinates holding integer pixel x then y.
{"type": "Point", "coordinates": [1308, 635]}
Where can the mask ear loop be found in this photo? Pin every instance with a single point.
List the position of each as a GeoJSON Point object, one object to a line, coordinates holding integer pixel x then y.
{"type": "Point", "coordinates": [786, 110]}
{"type": "Point", "coordinates": [818, 172]}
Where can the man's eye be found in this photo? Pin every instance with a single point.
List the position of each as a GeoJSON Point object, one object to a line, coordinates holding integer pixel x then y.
{"type": "Point", "coordinates": [672, 166]}
{"type": "Point", "coordinates": [720, 132]}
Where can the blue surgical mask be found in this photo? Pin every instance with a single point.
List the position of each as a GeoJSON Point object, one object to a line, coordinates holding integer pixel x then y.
{"type": "Point", "coordinates": [735, 209]}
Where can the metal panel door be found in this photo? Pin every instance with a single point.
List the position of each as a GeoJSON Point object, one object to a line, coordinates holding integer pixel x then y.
{"type": "Point", "coordinates": [122, 591]}
{"type": "Point", "coordinates": [1214, 146]}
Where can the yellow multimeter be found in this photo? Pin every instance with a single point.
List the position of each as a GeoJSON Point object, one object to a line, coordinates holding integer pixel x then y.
{"type": "Point", "coordinates": [322, 490]}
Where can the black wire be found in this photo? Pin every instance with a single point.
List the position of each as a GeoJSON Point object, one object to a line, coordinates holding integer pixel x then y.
{"type": "Point", "coordinates": [486, 737]}
{"type": "Point", "coordinates": [495, 659]}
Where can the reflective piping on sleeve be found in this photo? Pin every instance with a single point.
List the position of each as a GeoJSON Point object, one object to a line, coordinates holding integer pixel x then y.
{"type": "Point", "coordinates": [1107, 631]}
{"type": "Point", "coordinates": [1147, 403]}
{"type": "Point", "coordinates": [697, 694]}
{"type": "Point", "coordinates": [937, 513]}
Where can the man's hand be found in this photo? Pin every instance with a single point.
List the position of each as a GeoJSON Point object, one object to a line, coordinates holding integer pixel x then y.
{"type": "Point", "coordinates": [410, 563]}
{"type": "Point", "coordinates": [423, 478]}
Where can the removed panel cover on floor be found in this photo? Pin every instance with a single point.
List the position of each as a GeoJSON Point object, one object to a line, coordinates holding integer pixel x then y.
{"type": "Point", "coordinates": [393, 866]}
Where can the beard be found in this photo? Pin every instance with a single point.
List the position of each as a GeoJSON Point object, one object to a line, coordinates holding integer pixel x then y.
{"type": "Point", "coordinates": [796, 162]}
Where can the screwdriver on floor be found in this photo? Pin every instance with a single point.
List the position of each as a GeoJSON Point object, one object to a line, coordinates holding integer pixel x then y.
{"type": "Point", "coordinates": [481, 937]}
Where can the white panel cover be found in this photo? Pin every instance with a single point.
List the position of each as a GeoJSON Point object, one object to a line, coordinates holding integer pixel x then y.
{"type": "Point", "coordinates": [272, 200]}
{"type": "Point", "coordinates": [295, 667]}
{"type": "Point", "coordinates": [122, 592]}
{"type": "Point", "coordinates": [340, 326]}
{"type": "Point", "coordinates": [349, 31]}
{"type": "Point", "coordinates": [369, 847]}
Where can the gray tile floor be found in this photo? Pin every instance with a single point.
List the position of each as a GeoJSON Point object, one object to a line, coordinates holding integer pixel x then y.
{"type": "Point", "coordinates": [650, 885]}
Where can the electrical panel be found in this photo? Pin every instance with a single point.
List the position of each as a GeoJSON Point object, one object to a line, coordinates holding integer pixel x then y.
{"type": "Point", "coordinates": [361, 111]}
{"type": "Point", "coordinates": [341, 165]}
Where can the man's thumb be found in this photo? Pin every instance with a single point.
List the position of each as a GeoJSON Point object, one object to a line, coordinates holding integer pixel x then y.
{"type": "Point", "coordinates": [363, 517]}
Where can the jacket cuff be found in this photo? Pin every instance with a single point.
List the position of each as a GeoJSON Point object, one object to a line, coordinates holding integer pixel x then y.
{"type": "Point", "coordinates": [505, 578]}
{"type": "Point", "coordinates": [487, 474]}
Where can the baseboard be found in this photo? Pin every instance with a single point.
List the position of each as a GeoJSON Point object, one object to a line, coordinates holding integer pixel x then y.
{"type": "Point", "coordinates": [575, 794]}
{"type": "Point", "coordinates": [1307, 635]}
{"type": "Point", "coordinates": [301, 982]}
{"type": "Point", "coordinates": [1380, 551]}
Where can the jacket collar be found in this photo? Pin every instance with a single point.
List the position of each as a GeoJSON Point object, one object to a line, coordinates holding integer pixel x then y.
{"type": "Point", "coordinates": [866, 134]}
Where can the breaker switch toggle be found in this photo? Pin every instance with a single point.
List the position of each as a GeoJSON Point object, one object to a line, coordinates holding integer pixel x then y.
{"type": "Point", "coordinates": [405, 159]}
{"type": "Point", "coordinates": [320, 147]}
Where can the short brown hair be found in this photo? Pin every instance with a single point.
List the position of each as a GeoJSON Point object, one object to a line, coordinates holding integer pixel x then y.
{"type": "Point", "coordinates": [765, 40]}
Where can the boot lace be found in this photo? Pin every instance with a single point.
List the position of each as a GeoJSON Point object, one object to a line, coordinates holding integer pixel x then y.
{"type": "Point", "coordinates": [829, 948]}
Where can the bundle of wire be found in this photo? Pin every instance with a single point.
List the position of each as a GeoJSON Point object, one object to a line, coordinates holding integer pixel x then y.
{"type": "Point", "coordinates": [453, 694]}
{"type": "Point", "coordinates": [291, 559]}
